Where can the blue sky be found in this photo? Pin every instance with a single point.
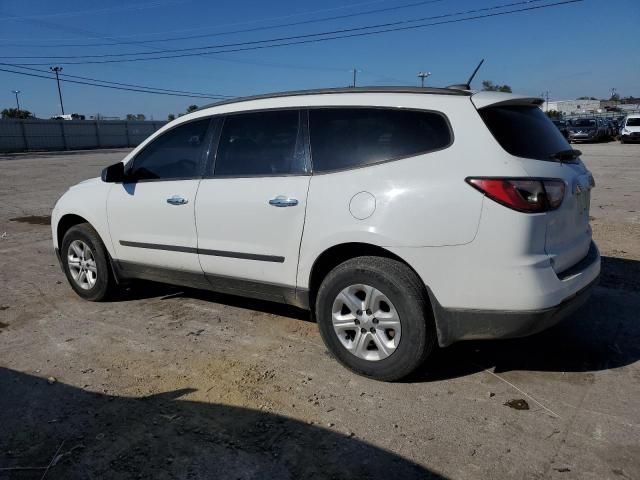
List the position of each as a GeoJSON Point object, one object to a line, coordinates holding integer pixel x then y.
{"type": "Point", "coordinates": [578, 49]}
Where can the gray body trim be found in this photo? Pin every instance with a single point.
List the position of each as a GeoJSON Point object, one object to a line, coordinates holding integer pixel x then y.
{"type": "Point", "coordinates": [216, 283]}
{"type": "Point", "coordinates": [204, 251]}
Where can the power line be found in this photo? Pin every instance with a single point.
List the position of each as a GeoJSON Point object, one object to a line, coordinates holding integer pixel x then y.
{"type": "Point", "coordinates": [247, 30]}
{"type": "Point", "coordinates": [306, 40]}
{"type": "Point", "coordinates": [138, 6]}
{"type": "Point", "coordinates": [282, 17]}
{"type": "Point", "coordinates": [110, 86]}
{"type": "Point", "coordinates": [287, 38]}
{"type": "Point", "coordinates": [206, 95]}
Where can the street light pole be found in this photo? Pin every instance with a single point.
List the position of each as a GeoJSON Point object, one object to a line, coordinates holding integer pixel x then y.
{"type": "Point", "coordinates": [422, 76]}
{"type": "Point", "coordinates": [16, 92]}
{"type": "Point", "coordinates": [57, 70]}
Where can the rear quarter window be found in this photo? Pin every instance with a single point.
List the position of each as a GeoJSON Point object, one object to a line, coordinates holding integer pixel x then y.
{"type": "Point", "coordinates": [524, 131]}
{"type": "Point", "coordinates": [343, 138]}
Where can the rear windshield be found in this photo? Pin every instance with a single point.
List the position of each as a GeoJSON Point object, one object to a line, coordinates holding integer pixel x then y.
{"type": "Point", "coordinates": [524, 131]}
{"type": "Point", "coordinates": [633, 122]}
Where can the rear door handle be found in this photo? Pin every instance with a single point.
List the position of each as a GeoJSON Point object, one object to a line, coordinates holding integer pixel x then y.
{"type": "Point", "coordinates": [177, 200]}
{"type": "Point", "coordinates": [282, 201]}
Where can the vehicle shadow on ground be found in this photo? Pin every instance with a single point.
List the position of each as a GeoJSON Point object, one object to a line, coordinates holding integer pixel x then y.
{"type": "Point", "coordinates": [91, 435]}
{"type": "Point", "coordinates": [604, 334]}
{"type": "Point", "coordinates": [141, 290]}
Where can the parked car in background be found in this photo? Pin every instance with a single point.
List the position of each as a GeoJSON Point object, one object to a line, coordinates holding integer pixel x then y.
{"type": "Point", "coordinates": [562, 126]}
{"type": "Point", "coordinates": [460, 216]}
{"type": "Point", "coordinates": [590, 129]}
{"type": "Point", "coordinates": [630, 130]}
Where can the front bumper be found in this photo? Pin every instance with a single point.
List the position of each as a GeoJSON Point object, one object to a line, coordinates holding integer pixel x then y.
{"type": "Point", "coordinates": [583, 137]}
{"type": "Point", "coordinates": [466, 324]}
{"type": "Point", "coordinates": [630, 137]}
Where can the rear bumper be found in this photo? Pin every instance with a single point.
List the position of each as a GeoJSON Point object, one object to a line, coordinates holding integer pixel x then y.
{"type": "Point", "coordinates": [455, 325]}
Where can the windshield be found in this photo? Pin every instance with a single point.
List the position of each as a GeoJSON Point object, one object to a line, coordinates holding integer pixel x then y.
{"type": "Point", "coordinates": [633, 122]}
{"type": "Point", "coordinates": [584, 122]}
{"type": "Point", "coordinates": [524, 131]}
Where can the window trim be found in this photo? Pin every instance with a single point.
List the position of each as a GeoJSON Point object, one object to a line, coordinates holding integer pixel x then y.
{"type": "Point", "coordinates": [301, 143]}
{"type": "Point", "coordinates": [213, 121]}
{"type": "Point", "coordinates": [376, 107]}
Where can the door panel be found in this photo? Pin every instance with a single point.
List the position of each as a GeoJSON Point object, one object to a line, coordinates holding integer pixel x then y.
{"type": "Point", "coordinates": [250, 210]}
{"type": "Point", "coordinates": [242, 235]}
{"type": "Point", "coordinates": [147, 229]}
{"type": "Point", "coordinates": [151, 217]}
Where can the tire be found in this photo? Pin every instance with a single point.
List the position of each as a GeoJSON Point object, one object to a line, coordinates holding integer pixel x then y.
{"type": "Point", "coordinates": [402, 350]}
{"type": "Point", "coordinates": [98, 282]}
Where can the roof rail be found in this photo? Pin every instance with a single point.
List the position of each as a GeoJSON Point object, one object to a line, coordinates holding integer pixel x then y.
{"type": "Point", "coordinates": [325, 91]}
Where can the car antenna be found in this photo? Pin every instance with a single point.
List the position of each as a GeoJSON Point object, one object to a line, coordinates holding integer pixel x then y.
{"type": "Point", "coordinates": [467, 86]}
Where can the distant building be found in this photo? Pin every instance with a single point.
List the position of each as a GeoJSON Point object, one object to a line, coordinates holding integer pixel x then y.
{"type": "Point", "coordinates": [570, 107]}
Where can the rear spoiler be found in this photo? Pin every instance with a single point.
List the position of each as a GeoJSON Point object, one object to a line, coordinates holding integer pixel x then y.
{"type": "Point", "coordinates": [494, 99]}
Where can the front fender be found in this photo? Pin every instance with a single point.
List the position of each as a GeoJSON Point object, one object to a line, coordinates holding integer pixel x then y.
{"type": "Point", "coordinates": [87, 200]}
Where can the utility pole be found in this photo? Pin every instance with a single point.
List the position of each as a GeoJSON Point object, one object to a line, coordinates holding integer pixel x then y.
{"type": "Point", "coordinates": [16, 92]}
{"type": "Point", "coordinates": [355, 73]}
{"type": "Point", "coordinates": [545, 95]}
{"type": "Point", "coordinates": [422, 76]}
{"type": "Point", "coordinates": [57, 70]}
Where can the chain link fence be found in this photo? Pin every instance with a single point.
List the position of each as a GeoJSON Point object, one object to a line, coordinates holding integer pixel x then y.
{"type": "Point", "coordinates": [32, 134]}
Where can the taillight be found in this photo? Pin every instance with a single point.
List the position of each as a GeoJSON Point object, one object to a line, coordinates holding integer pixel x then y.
{"type": "Point", "coordinates": [522, 194]}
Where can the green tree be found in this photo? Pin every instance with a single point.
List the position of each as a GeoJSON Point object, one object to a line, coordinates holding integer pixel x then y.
{"type": "Point", "coordinates": [171, 116]}
{"type": "Point", "coordinates": [586, 98]}
{"type": "Point", "coordinates": [15, 113]}
{"type": "Point", "coordinates": [554, 114]}
{"type": "Point", "coordinates": [192, 108]}
{"type": "Point", "coordinates": [489, 86]}
{"type": "Point", "coordinates": [136, 116]}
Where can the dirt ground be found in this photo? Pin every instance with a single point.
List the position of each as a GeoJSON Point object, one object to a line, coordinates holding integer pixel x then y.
{"type": "Point", "coordinates": [171, 383]}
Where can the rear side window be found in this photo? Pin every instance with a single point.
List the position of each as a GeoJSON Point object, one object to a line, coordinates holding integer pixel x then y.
{"type": "Point", "coordinates": [524, 131]}
{"type": "Point", "coordinates": [261, 143]}
{"type": "Point", "coordinates": [633, 122]}
{"type": "Point", "coordinates": [353, 137]}
{"type": "Point", "coordinates": [174, 154]}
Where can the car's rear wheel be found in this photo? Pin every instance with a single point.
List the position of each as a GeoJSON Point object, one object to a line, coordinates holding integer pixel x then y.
{"type": "Point", "coordinates": [86, 263]}
{"type": "Point", "coordinates": [374, 317]}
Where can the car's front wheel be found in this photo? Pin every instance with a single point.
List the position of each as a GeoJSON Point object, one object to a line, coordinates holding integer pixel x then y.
{"type": "Point", "coordinates": [86, 263]}
{"type": "Point", "coordinates": [374, 317]}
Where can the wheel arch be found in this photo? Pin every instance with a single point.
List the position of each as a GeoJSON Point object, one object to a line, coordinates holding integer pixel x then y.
{"type": "Point", "coordinates": [70, 220]}
{"type": "Point", "coordinates": [65, 223]}
{"type": "Point", "coordinates": [337, 254]}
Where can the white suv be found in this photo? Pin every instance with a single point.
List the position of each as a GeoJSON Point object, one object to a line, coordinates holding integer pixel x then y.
{"type": "Point", "coordinates": [401, 217]}
{"type": "Point", "coordinates": [630, 131]}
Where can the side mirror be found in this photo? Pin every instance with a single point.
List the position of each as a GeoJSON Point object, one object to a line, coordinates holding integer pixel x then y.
{"type": "Point", "coordinates": [113, 173]}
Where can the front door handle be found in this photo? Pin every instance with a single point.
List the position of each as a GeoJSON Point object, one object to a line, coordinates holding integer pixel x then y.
{"type": "Point", "coordinates": [177, 200]}
{"type": "Point", "coordinates": [282, 201]}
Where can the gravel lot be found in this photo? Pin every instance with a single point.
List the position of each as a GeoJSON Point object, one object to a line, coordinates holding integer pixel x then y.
{"type": "Point", "coordinates": [172, 383]}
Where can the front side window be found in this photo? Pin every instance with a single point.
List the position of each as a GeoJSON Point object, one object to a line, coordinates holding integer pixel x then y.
{"type": "Point", "coordinates": [174, 154]}
{"type": "Point", "coordinates": [260, 144]}
{"type": "Point", "coordinates": [353, 137]}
